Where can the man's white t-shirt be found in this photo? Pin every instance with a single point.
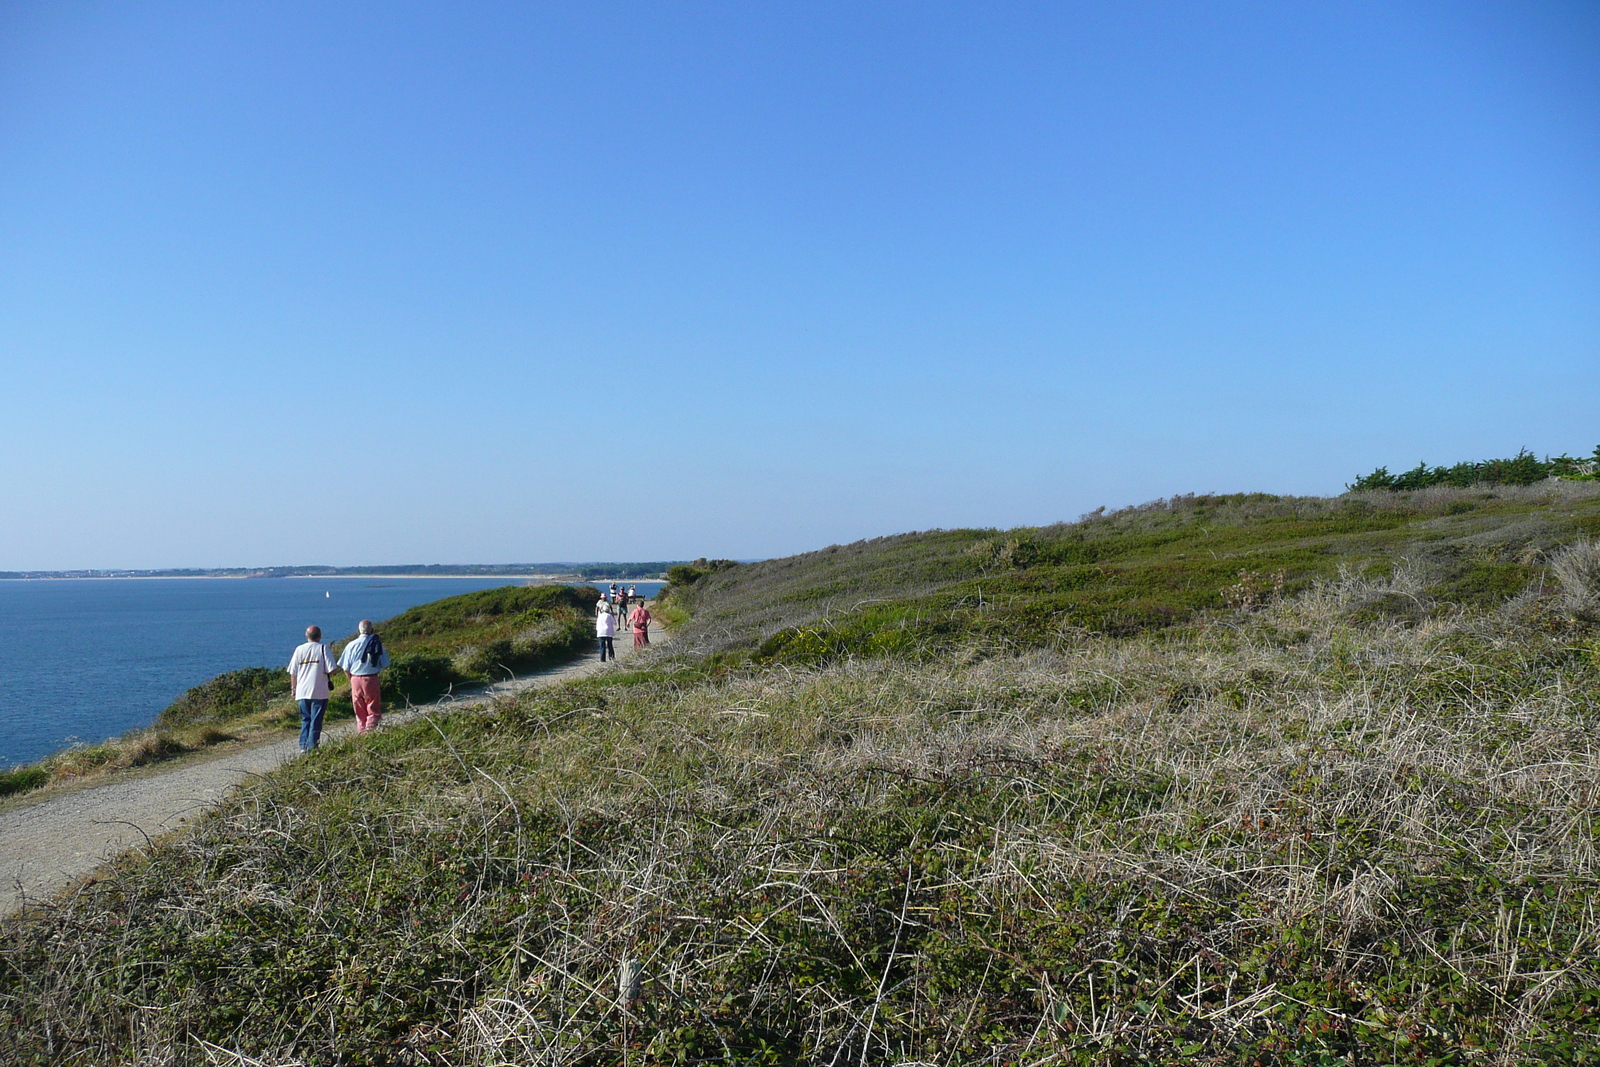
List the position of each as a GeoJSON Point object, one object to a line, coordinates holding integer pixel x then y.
{"type": "Point", "coordinates": [605, 625]}
{"type": "Point", "coordinates": [310, 666]}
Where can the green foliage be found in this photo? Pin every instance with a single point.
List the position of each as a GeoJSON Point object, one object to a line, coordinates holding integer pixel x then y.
{"type": "Point", "coordinates": [1486, 582]}
{"type": "Point", "coordinates": [689, 573]}
{"type": "Point", "coordinates": [486, 614]}
{"type": "Point", "coordinates": [1145, 568]}
{"type": "Point", "coordinates": [228, 696]}
{"type": "Point", "coordinates": [22, 779]}
{"type": "Point", "coordinates": [483, 636]}
{"type": "Point", "coordinates": [1522, 469]}
{"type": "Point", "coordinates": [417, 678]}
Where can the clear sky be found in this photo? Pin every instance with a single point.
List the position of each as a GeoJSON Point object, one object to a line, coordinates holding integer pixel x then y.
{"type": "Point", "coordinates": [392, 282]}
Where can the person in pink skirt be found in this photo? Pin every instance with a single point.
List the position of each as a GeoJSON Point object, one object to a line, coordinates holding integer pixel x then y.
{"type": "Point", "coordinates": [641, 625]}
{"type": "Point", "coordinates": [364, 660]}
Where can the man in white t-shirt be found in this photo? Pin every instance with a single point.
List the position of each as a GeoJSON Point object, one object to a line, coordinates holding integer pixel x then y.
{"type": "Point", "coordinates": [311, 666]}
{"type": "Point", "coordinates": [605, 628]}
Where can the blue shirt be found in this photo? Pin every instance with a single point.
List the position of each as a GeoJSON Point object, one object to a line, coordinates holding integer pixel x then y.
{"type": "Point", "coordinates": [350, 660]}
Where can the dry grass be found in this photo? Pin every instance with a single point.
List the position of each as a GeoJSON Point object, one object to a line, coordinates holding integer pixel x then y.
{"type": "Point", "coordinates": [1296, 834]}
{"type": "Point", "coordinates": [1577, 568]}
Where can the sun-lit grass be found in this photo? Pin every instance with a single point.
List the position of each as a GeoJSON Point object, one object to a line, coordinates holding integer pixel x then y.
{"type": "Point", "coordinates": [1348, 819]}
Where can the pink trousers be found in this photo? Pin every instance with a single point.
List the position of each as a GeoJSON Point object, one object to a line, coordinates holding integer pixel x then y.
{"type": "Point", "coordinates": [368, 701]}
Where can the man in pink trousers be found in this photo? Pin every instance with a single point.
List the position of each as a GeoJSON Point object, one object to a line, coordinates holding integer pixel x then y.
{"type": "Point", "coordinates": [363, 660]}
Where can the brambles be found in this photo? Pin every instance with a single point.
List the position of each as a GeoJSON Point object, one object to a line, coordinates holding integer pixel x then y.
{"type": "Point", "coordinates": [689, 573]}
{"type": "Point", "coordinates": [993, 554]}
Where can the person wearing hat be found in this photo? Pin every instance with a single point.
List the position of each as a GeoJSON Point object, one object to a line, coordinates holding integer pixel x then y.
{"type": "Point", "coordinates": [605, 628]}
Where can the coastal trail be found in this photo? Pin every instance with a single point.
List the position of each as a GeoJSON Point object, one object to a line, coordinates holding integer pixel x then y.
{"type": "Point", "coordinates": [47, 846]}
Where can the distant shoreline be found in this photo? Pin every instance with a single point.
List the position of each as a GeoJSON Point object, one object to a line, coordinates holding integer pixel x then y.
{"type": "Point", "coordinates": [554, 578]}
{"type": "Point", "coordinates": [187, 577]}
{"type": "Point", "coordinates": [549, 571]}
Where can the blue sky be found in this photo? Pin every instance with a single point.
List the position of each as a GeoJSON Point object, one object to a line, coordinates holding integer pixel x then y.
{"type": "Point", "coordinates": [356, 283]}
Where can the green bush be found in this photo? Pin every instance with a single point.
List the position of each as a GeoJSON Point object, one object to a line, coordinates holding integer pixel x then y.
{"type": "Point", "coordinates": [22, 779]}
{"type": "Point", "coordinates": [1524, 468]}
{"type": "Point", "coordinates": [484, 614]}
{"type": "Point", "coordinates": [689, 573]}
{"type": "Point", "coordinates": [228, 696]}
{"type": "Point", "coordinates": [417, 678]}
{"type": "Point", "coordinates": [486, 660]}
{"type": "Point", "coordinates": [550, 641]}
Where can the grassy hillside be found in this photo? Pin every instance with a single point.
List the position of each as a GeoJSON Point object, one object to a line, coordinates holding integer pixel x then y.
{"type": "Point", "coordinates": [1134, 570]}
{"type": "Point", "coordinates": [1348, 819]}
{"type": "Point", "coordinates": [459, 640]}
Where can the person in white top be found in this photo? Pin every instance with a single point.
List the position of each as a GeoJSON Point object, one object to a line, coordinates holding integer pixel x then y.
{"type": "Point", "coordinates": [311, 666]}
{"type": "Point", "coordinates": [605, 628]}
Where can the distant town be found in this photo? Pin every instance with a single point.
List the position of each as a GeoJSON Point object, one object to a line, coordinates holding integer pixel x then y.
{"type": "Point", "coordinates": [547, 571]}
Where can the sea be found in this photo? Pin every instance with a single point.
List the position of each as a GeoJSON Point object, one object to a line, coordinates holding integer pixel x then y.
{"type": "Point", "coordinates": [85, 659]}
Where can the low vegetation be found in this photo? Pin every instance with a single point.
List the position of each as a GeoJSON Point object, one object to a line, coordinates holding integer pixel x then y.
{"type": "Point", "coordinates": [1524, 468]}
{"type": "Point", "coordinates": [1335, 809]}
{"type": "Point", "coordinates": [461, 640]}
{"type": "Point", "coordinates": [1127, 572]}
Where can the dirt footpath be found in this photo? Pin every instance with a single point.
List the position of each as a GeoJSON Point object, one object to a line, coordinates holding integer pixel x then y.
{"type": "Point", "coordinates": [47, 846]}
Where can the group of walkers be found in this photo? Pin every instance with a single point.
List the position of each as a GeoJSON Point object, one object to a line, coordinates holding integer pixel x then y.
{"type": "Point", "coordinates": [611, 610]}
{"type": "Point", "coordinates": [312, 666]}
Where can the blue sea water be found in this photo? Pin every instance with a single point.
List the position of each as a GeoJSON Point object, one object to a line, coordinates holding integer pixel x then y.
{"type": "Point", "coordinates": [88, 659]}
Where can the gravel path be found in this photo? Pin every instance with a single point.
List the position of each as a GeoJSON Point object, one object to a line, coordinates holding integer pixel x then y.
{"type": "Point", "coordinates": [47, 846]}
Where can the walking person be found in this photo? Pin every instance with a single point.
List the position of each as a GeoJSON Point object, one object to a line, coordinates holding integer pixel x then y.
{"type": "Point", "coordinates": [605, 628]}
{"type": "Point", "coordinates": [363, 660]}
{"type": "Point", "coordinates": [641, 625]}
{"type": "Point", "coordinates": [310, 667]}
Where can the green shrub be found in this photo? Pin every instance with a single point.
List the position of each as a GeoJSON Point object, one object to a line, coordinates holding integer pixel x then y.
{"type": "Point", "coordinates": [689, 573]}
{"type": "Point", "coordinates": [484, 661]}
{"type": "Point", "coordinates": [457, 619]}
{"type": "Point", "coordinates": [22, 779]}
{"type": "Point", "coordinates": [550, 641]}
{"type": "Point", "coordinates": [417, 678]}
{"type": "Point", "coordinates": [228, 696]}
{"type": "Point", "coordinates": [1524, 468]}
